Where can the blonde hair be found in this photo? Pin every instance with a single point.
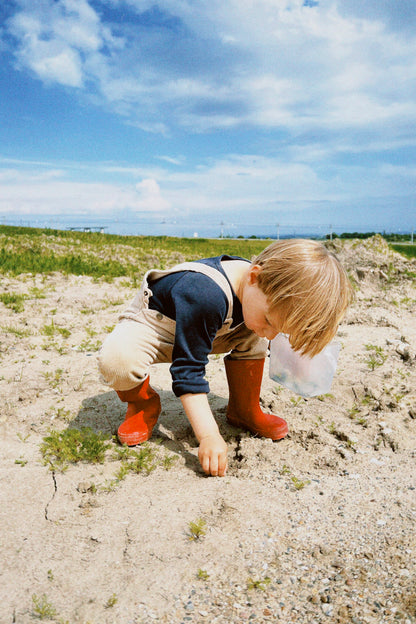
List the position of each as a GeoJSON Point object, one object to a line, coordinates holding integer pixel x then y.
{"type": "Point", "coordinates": [308, 286]}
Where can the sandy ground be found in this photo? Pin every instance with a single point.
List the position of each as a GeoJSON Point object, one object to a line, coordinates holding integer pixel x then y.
{"type": "Point", "coordinates": [319, 527]}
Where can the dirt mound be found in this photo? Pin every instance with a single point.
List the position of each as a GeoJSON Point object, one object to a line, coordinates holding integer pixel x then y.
{"type": "Point", "coordinates": [372, 260]}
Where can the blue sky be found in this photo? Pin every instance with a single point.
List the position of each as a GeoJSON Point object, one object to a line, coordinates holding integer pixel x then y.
{"type": "Point", "coordinates": [298, 112]}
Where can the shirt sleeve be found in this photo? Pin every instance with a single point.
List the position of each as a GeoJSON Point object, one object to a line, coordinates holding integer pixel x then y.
{"type": "Point", "coordinates": [200, 309]}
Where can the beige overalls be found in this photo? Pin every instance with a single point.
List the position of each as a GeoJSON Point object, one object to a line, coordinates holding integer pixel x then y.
{"type": "Point", "coordinates": [144, 337]}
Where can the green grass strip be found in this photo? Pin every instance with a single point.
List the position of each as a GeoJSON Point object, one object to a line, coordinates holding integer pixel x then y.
{"type": "Point", "coordinates": [406, 250]}
{"type": "Point", "coordinates": [28, 262]}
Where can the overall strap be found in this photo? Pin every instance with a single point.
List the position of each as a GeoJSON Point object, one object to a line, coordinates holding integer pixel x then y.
{"type": "Point", "coordinates": [200, 267]}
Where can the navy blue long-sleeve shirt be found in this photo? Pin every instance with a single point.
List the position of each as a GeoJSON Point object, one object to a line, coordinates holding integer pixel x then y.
{"type": "Point", "coordinates": [199, 307]}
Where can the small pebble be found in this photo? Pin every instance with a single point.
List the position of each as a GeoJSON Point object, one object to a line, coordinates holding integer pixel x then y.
{"type": "Point", "coordinates": [327, 609]}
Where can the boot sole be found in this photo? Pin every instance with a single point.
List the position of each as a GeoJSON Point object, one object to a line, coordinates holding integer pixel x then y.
{"type": "Point", "coordinates": [278, 433]}
{"type": "Point", "coordinates": [132, 439]}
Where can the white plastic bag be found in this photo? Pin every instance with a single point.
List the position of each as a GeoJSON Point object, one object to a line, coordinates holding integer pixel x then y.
{"type": "Point", "coordinates": [307, 376]}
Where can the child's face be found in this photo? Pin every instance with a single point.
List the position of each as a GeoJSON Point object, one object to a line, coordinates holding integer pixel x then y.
{"type": "Point", "coordinates": [256, 313]}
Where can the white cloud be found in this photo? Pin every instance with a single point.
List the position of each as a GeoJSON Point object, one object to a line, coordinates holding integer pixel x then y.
{"type": "Point", "coordinates": [55, 38]}
{"type": "Point", "coordinates": [62, 66]}
{"type": "Point", "coordinates": [18, 177]}
{"type": "Point", "coordinates": [49, 192]}
{"type": "Point", "coordinates": [247, 189]}
{"type": "Point", "coordinates": [268, 63]}
{"type": "Point", "coordinates": [171, 160]}
{"type": "Point", "coordinates": [150, 196]}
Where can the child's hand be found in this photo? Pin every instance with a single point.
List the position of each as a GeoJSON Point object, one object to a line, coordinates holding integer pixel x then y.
{"type": "Point", "coordinates": [212, 455]}
{"type": "Point", "coordinates": [212, 451]}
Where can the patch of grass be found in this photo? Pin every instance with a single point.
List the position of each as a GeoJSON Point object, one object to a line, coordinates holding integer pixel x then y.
{"type": "Point", "coordinates": [89, 345]}
{"type": "Point", "coordinates": [53, 345]}
{"type": "Point", "coordinates": [376, 357]}
{"type": "Point", "coordinates": [23, 438]}
{"type": "Point", "coordinates": [16, 331]}
{"type": "Point", "coordinates": [373, 362]}
{"type": "Point", "coordinates": [351, 443]}
{"type": "Point", "coordinates": [369, 400]}
{"type": "Point", "coordinates": [298, 484]}
{"type": "Point", "coordinates": [13, 301]}
{"type": "Point", "coordinates": [111, 602]}
{"type": "Point", "coordinates": [137, 461]}
{"type": "Point", "coordinates": [353, 281]}
{"type": "Point", "coordinates": [42, 609]}
{"type": "Point", "coordinates": [406, 250]}
{"type": "Point", "coordinates": [52, 329]}
{"type": "Point", "coordinates": [197, 529]}
{"type": "Point", "coordinates": [78, 386]}
{"type": "Point", "coordinates": [353, 411]}
{"type": "Point", "coordinates": [202, 575]}
{"type": "Point", "coordinates": [61, 448]}
{"type": "Point", "coordinates": [37, 293]}
{"type": "Point", "coordinates": [145, 459]}
{"type": "Point", "coordinates": [32, 261]}
{"type": "Point", "coordinates": [111, 303]}
{"type": "Point", "coordinates": [297, 401]}
{"type": "Point", "coordinates": [61, 413]}
{"type": "Point", "coordinates": [168, 461]}
{"type": "Point", "coordinates": [322, 397]}
{"type": "Point", "coordinates": [106, 256]}
{"type": "Point", "coordinates": [259, 584]}
{"type": "Point", "coordinates": [341, 436]}
{"type": "Point", "coordinates": [54, 378]}
{"type": "Point", "coordinates": [402, 373]}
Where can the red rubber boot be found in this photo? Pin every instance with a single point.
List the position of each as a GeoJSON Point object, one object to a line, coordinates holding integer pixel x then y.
{"type": "Point", "coordinates": [143, 409]}
{"type": "Point", "coordinates": [244, 382]}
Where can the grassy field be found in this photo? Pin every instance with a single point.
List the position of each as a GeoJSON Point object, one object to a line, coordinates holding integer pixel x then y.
{"type": "Point", "coordinates": [33, 250]}
{"type": "Point", "coordinates": [407, 250]}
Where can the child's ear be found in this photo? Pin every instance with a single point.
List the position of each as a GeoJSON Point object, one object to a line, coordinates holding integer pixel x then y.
{"type": "Point", "coordinates": [253, 273]}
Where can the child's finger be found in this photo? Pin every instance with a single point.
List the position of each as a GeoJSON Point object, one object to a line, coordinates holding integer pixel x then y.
{"type": "Point", "coordinates": [222, 464]}
{"type": "Point", "coordinates": [214, 466]}
{"type": "Point", "coordinates": [204, 461]}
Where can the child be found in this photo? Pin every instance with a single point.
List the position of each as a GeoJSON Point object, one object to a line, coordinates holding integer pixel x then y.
{"type": "Point", "coordinates": [222, 305]}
